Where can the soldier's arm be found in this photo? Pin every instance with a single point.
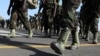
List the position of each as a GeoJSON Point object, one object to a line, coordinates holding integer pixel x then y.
{"type": "Point", "coordinates": [40, 7]}
{"type": "Point", "coordinates": [24, 4]}
{"type": "Point", "coordinates": [10, 5]}
{"type": "Point", "coordinates": [55, 7]}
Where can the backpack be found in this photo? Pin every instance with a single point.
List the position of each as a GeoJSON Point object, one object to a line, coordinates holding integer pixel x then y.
{"type": "Point", "coordinates": [32, 4]}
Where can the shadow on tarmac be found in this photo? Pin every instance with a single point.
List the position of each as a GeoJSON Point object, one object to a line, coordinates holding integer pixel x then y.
{"type": "Point", "coordinates": [7, 41]}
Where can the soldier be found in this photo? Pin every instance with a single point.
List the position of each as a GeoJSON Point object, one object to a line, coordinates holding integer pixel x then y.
{"type": "Point", "coordinates": [3, 23]}
{"type": "Point", "coordinates": [33, 22]}
{"type": "Point", "coordinates": [19, 10]}
{"type": "Point", "coordinates": [49, 8]}
{"type": "Point", "coordinates": [69, 25]}
{"type": "Point", "coordinates": [8, 23]}
{"type": "Point", "coordinates": [82, 18]}
{"type": "Point", "coordinates": [91, 23]}
{"type": "Point", "coordinates": [57, 20]}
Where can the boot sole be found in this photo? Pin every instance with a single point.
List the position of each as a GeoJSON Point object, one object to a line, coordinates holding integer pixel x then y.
{"type": "Point", "coordinates": [55, 48]}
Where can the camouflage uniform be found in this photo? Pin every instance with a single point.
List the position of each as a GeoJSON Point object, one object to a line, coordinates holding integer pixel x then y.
{"type": "Point", "coordinates": [69, 25]}
{"type": "Point", "coordinates": [19, 10]}
{"type": "Point", "coordinates": [57, 20]}
{"type": "Point", "coordinates": [91, 23]}
{"type": "Point", "coordinates": [48, 14]}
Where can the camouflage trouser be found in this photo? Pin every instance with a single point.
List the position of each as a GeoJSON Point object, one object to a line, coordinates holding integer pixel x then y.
{"type": "Point", "coordinates": [22, 15]}
{"type": "Point", "coordinates": [48, 20]}
{"type": "Point", "coordinates": [91, 23]}
{"type": "Point", "coordinates": [69, 26]}
{"type": "Point", "coordinates": [94, 25]}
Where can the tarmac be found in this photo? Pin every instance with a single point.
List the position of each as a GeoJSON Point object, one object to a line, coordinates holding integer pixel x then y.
{"type": "Point", "coordinates": [39, 45]}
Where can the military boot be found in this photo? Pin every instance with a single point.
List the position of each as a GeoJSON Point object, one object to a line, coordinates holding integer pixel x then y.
{"type": "Point", "coordinates": [30, 34]}
{"type": "Point", "coordinates": [12, 33]}
{"type": "Point", "coordinates": [87, 37]}
{"type": "Point", "coordinates": [46, 33]}
{"type": "Point", "coordinates": [74, 46]}
{"type": "Point", "coordinates": [59, 46]}
{"type": "Point", "coordinates": [95, 36]}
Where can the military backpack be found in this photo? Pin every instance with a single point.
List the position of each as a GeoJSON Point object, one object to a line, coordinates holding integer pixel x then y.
{"type": "Point", "coordinates": [32, 4]}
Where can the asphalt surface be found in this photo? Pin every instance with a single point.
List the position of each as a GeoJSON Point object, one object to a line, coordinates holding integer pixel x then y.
{"type": "Point", "coordinates": [38, 45]}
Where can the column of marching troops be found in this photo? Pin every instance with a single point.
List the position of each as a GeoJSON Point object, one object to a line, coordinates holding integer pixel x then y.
{"type": "Point", "coordinates": [63, 20]}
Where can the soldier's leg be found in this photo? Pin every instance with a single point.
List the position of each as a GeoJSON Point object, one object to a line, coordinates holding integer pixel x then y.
{"type": "Point", "coordinates": [54, 30]}
{"type": "Point", "coordinates": [95, 37]}
{"type": "Point", "coordinates": [94, 30]}
{"type": "Point", "coordinates": [45, 31]}
{"type": "Point", "coordinates": [50, 30]}
{"type": "Point", "coordinates": [50, 21]}
{"type": "Point", "coordinates": [45, 26]}
{"type": "Point", "coordinates": [58, 30]}
{"type": "Point", "coordinates": [59, 46]}
{"type": "Point", "coordinates": [84, 31]}
{"type": "Point", "coordinates": [87, 29]}
{"type": "Point", "coordinates": [24, 19]}
{"type": "Point", "coordinates": [75, 39]}
{"type": "Point", "coordinates": [13, 20]}
{"type": "Point", "coordinates": [81, 29]}
{"type": "Point", "coordinates": [42, 26]}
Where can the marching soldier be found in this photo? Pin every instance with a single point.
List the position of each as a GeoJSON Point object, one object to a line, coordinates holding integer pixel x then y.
{"type": "Point", "coordinates": [57, 20]}
{"type": "Point", "coordinates": [91, 23]}
{"type": "Point", "coordinates": [19, 10]}
{"type": "Point", "coordinates": [69, 25]}
{"type": "Point", "coordinates": [49, 8]}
